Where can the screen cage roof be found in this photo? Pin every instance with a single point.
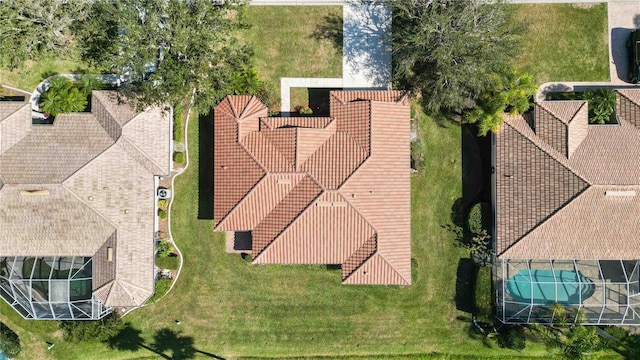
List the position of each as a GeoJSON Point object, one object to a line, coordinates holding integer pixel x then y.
{"type": "Point", "coordinates": [606, 291]}
{"type": "Point", "coordinates": [55, 288]}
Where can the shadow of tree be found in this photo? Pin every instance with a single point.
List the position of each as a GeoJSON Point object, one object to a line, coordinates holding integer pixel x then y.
{"type": "Point", "coordinates": [205, 166]}
{"type": "Point", "coordinates": [330, 29]}
{"type": "Point", "coordinates": [167, 343]}
{"type": "Point", "coordinates": [465, 280]}
{"type": "Point", "coordinates": [367, 40]}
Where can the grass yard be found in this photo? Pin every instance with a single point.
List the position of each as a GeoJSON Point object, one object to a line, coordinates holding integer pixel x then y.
{"type": "Point", "coordinates": [564, 42]}
{"type": "Point", "coordinates": [32, 73]}
{"type": "Point", "coordinates": [286, 45]}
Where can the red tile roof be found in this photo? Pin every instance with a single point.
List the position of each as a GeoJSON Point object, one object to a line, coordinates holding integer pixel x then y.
{"type": "Point", "coordinates": [551, 197]}
{"type": "Point", "coordinates": [332, 190]}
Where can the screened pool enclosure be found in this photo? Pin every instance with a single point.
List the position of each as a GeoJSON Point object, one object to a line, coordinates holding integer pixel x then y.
{"type": "Point", "coordinates": [605, 290]}
{"type": "Point", "coordinates": [57, 288]}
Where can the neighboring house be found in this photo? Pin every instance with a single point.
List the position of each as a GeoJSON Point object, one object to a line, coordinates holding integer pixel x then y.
{"type": "Point", "coordinates": [318, 190]}
{"type": "Point", "coordinates": [77, 207]}
{"type": "Point", "coordinates": [567, 213]}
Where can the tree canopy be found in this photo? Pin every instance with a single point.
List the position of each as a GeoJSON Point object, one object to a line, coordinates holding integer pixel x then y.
{"type": "Point", "coordinates": [451, 50]}
{"type": "Point", "coordinates": [166, 48]}
{"type": "Point", "coordinates": [30, 29]}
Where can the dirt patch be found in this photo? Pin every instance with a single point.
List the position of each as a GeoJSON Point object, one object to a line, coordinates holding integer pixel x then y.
{"type": "Point", "coordinates": [583, 5]}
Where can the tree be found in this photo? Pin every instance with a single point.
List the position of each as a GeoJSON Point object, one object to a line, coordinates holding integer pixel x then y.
{"type": "Point", "coordinates": [569, 341]}
{"type": "Point", "coordinates": [31, 29]}
{"type": "Point", "coordinates": [167, 48]}
{"type": "Point", "coordinates": [62, 97]}
{"type": "Point", "coordinates": [450, 50]}
{"type": "Point", "coordinates": [512, 93]}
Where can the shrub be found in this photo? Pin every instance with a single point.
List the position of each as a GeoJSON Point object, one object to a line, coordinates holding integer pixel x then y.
{"type": "Point", "coordinates": [162, 214]}
{"type": "Point", "coordinates": [88, 83]}
{"type": "Point", "coordinates": [177, 124]}
{"type": "Point", "coordinates": [170, 261]}
{"type": "Point", "coordinates": [164, 248]}
{"type": "Point", "coordinates": [511, 337]}
{"type": "Point", "coordinates": [417, 154]}
{"type": "Point", "coordinates": [62, 97]}
{"type": "Point", "coordinates": [163, 203]}
{"type": "Point", "coordinates": [9, 341]}
{"type": "Point", "coordinates": [161, 288]}
{"type": "Point", "coordinates": [602, 105]}
{"type": "Point", "coordinates": [475, 218]}
{"type": "Point", "coordinates": [178, 157]}
{"type": "Point", "coordinates": [483, 298]}
{"type": "Point", "coordinates": [304, 110]}
{"type": "Point", "coordinates": [98, 330]}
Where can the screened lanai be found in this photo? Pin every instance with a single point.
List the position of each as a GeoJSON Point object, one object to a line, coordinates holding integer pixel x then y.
{"type": "Point", "coordinates": [57, 288]}
{"type": "Point", "coordinates": [605, 290]}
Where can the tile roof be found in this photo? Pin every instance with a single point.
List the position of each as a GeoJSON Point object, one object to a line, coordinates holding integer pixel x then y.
{"type": "Point", "coordinates": [84, 184]}
{"type": "Point", "coordinates": [552, 204]}
{"type": "Point", "coordinates": [336, 189]}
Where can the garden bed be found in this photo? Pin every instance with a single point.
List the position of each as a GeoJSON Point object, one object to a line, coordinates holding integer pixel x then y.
{"type": "Point", "coordinates": [601, 102]}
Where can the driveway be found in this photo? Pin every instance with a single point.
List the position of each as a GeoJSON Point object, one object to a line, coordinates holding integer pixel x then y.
{"type": "Point", "coordinates": [623, 18]}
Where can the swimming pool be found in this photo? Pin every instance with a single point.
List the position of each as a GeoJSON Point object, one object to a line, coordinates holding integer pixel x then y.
{"type": "Point", "coordinates": [544, 287]}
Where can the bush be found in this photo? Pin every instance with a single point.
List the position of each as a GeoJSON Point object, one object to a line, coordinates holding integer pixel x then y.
{"type": "Point", "coordinates": [161, 288]}
{"type": "Point", "coordinates": [304, 110]}
{"type": "Point", "coordinates": [177, 124]}
{"type": "Point", "coordinates": [162, 214]}
{"type": "Point", "coordinates": [170, 261]}
{"type": "Point", "coordinates": [9, 341]}
{"type": "Point", "coordinates": [417, 154]}
{"type": "Point", "coordinates": [483, 298]}
{"type": "Point", "coordinates": [163, 203]}
{"type": "Point", "coordinates": [475, 218]}
{"type": "Point", "coordinates": [97, 330]}
{"type": "Point", "coordinates": [164, 248]}
{"type": "Point", "coordinates": [62, 97]}
{"type": "Point", "coordinates": [602, 105]}
{"type": "Point", "coordinates": [178, 157]}
{"type": "Point", "coordinates": [511, 337]}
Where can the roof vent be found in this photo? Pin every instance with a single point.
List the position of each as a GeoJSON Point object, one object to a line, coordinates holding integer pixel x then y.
{"type": "Point", "coordinates": [620, 193]}
{"type": "Point", "coordinates": [164, 193]}
{"type": "Point", "coordinates": [284, 181]}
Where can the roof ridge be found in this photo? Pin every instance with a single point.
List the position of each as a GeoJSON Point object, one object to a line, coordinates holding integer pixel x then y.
{"type": "Point", "coordinates": [625, 94]}
{"type": "Point", "coordinates": [125, 139]}
{"type": "Point", "coordinates": [243, 200]}
{"type": "Point", "coordinates": [87, 204]}
{"type": "Point", "coordinates": [555, 115]}
{"type": "Point", "coordinates": [26, 103]}
{"type": "Point", "coordinates": [378, 254]}
{"type": "Point", "coordinates": [304, 210]}
{"type": "Point", "coordinates": [548, 217]}
{"type": "Point", "coordinates": [373, 238]}
{"type": "Point", "coordinates": [552, 152]}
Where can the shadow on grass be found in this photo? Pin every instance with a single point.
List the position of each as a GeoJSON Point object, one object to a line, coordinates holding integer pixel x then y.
{"type": "Point", "coordinates": [167, 343]}
{"type": "Point", "coordinates": [205, 166]}
{"type": "Point", "coordinates": [330, 29]}
{"type": "Point", "coordinates": [465, 279]}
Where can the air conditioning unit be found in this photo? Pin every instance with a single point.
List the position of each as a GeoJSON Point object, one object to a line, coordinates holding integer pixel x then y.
{"type": "Point", "coordinates": [164, 193]}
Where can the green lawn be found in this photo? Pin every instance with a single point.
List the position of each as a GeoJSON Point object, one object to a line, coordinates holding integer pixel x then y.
{"type": "Point", "coordinates": [32, 73]}
{"type": "Point", "coordinates": [564, 42]}
{"type": "Point", "coordinates": [285, 45]}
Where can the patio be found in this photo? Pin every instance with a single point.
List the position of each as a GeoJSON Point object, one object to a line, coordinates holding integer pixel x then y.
{"type": "Point", "coordinates": [606, 290]}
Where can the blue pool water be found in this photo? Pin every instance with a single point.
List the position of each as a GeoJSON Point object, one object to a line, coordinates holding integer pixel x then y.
{"type": "Point", "coordinates": [546, 287]}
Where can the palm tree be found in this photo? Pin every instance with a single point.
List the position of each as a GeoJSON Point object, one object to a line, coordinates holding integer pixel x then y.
{"type": "Point", "coordinates": [62, 97]}
{"type": "Point", "coordinates": [569, 341]}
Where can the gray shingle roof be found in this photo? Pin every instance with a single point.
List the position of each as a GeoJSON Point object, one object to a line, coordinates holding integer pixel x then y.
{"type": "Point", "coordinates": [95, 172]}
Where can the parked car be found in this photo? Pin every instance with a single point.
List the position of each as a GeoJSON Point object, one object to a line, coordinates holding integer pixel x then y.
{"type": "Point", "coordinates": [633, 45]}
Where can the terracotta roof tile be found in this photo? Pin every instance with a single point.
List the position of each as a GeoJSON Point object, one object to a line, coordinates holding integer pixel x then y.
{"type": "Point", "coordinates": [329, 231]}
{"type": "Point", "coordinates": [357, 214]}
{"type": "Point", "coordinates": [287, 210]}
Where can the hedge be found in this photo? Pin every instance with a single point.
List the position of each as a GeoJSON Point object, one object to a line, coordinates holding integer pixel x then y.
{"type": "Point", "coordinates": [483, 298]}
{"type": "Point", "coordinates": [9, 341]}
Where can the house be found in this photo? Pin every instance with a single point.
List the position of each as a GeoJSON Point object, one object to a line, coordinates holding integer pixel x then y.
{"type": "Point", "coordinates": [77, 207]}
{"type": "Point", "coordinates": [318, 190]}
{"type": "Point", "coordinates": [567, 213]}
